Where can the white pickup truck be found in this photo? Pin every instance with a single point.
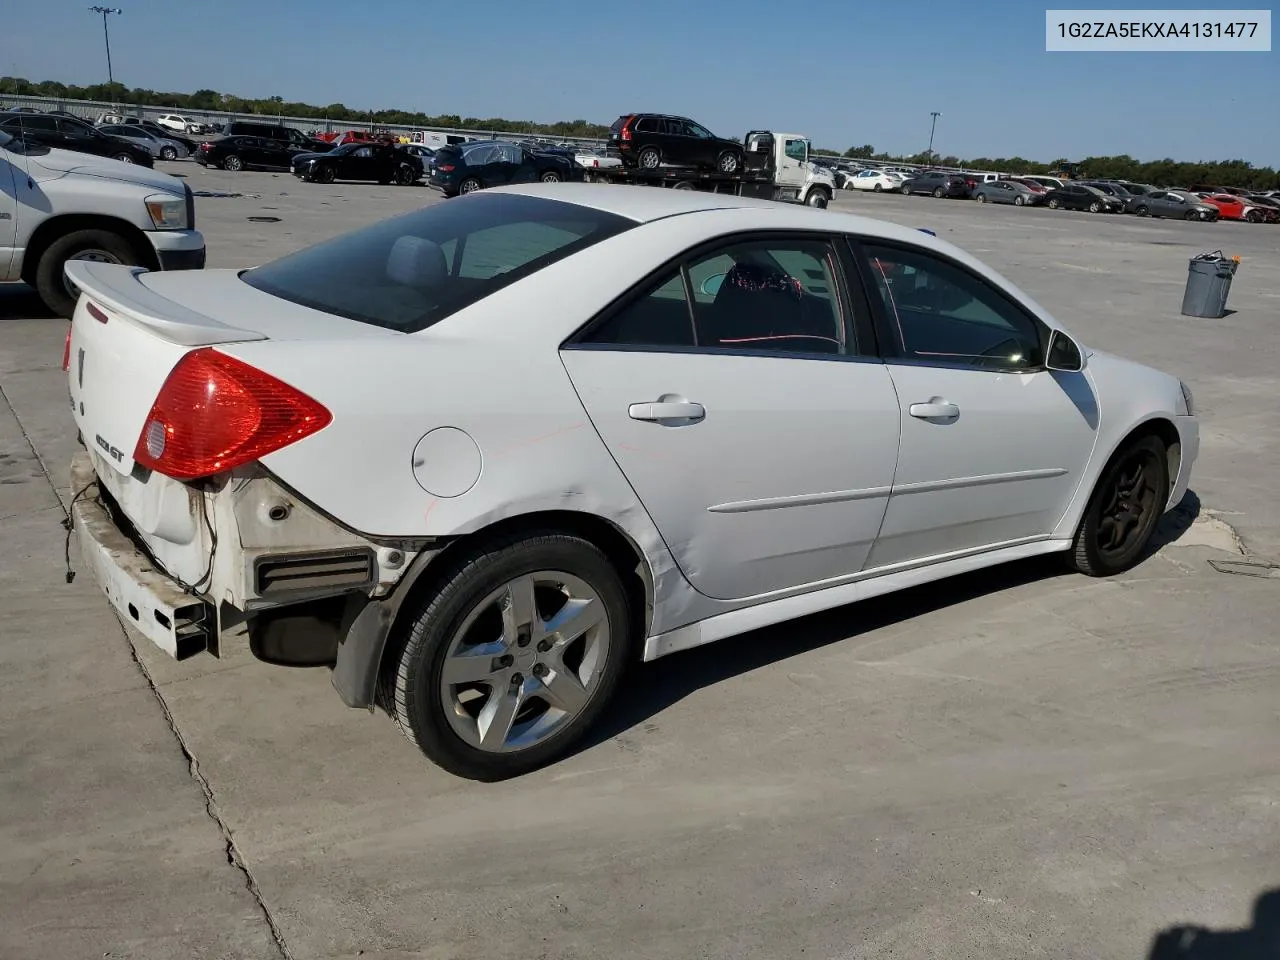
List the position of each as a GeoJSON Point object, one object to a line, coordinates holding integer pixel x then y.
{"type": "Point", "coordinates": [58, 205]}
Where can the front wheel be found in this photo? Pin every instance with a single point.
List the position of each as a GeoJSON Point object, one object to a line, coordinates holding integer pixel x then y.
{"type": "Point", "coordinates": [1142, 210]}
{"type": "Point", "coordinates": [1018, 201]}
{"type": "Point", "coordinates": [168, 153]}
{"type": "Point", "coordinates": [817, 198]}
{"type": "Point", "coordinates": [728, 162]}
{"type": "Point", "coordinates": [1054, 204]}
{"type": "Point", "coordinates": [981, 198]}
{"type": "Point", "coordinates": [1193, 215]}
{"type": "Point", "coordinates": [123, 157]}
{"type": "Point", "coordinates": [325, 175]}
{"type": "Point", "coordinates": [938, 193]}
{"type": "Point", "coordinates": [512, 657]}
{"type": "Point", "coordinates": [551, 177]}
{"type": "Point", "coordinates": [101, 246]}
{"type": "Point", "coordinates": [876, 188]}
{"type": "Point", "coordinates": [1124, 510]}
{"type": "Point", "coordinates": [1095, 207]}
{"type": "Point", "coordinates": [1253, 216]}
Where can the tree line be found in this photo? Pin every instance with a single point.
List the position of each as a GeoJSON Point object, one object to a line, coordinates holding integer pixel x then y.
{"type": "Point", "coordinates": [1227, 173]}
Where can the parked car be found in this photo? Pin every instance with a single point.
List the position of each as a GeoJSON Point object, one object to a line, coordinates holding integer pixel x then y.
{"type": "Point", "coordinates": [1008, 191]}
{"type": "Point", "coordinates": [493, 163]}
{"type": "Point", "coordinates": [423, 153]}
{"type": "Point", "coordinates": [378, 162]}
{"type": "Point", "coordinates": [60, 205]}
{"type": "Point", "coordinates": [162, 148]}
{"type": "Point", "coordinates": [1270, 203]}
{"type": "Point", "coordinates": [1116, 190]}
{"type": "Point", "coordinates": [448, 574]}
{"type": "Point", "coordinates": [276, 131]}
{"type": "Point", "coordinates": [877, 181]}
{"type": "Point", "coordinates": [595, 159]}
{"type": "Point", "coordinates": [1049, 183]}
{"type": "Point", "coordinates": [154, 128]}
{"type": "Point", "coordinates": [65, 133]}
{"type": "Point", "coordinates": [179, 124]}
{"type": "Point", "coordinates": [1174, 204]}
{"type": "Point", "coordinates": [938, 184]}
{"type": "Point", "coordinates": [1078, 196]}
{"type": "Point", "coordinates": [242, 153]}
{"type": "Point", "coordinates": [650, 140]}
{"type": "Point", "coordinates": [1231, 207]}
{"type": "Point", "coordinates": [1035, 186]}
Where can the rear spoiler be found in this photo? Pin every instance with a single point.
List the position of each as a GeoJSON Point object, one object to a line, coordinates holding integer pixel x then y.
{"type": "Point", "coordinates": [117, 288]}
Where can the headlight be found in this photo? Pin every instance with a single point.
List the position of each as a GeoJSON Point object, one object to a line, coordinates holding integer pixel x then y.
{"type": "Point", "coordinates": [1188, 400]}
{"type": "Point", "coordinates": [167, 213]}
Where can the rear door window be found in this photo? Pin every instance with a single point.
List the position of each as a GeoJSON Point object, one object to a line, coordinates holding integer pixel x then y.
{"type": "Point", "coordinates": [412, 271]}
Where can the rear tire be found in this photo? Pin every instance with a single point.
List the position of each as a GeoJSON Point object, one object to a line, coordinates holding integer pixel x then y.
{"type": "Point", "coordinates": [101, 245]}
{"type": "Point", "coordinates": [649, 158]}
{"type": "Point", "coordinates": [1094, 551]}
{"type": "Point", "coordinates": [550, 177]}
{"type": "Point", "coordinates": [469, 185]}
{"type": "Point", "coordinates": [233, 163]}
{"type": "Point", "coordinates": [168, 153]}
{"type": "Point", "coordinates": [424, 706]}
{"type": "Point", "coordinates": [876, 188]}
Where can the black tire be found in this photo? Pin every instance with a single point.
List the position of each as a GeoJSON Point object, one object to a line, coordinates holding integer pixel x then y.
{"type": "Point", "coordinates": [469, 185]}
{"type": "Point", "coordinates": [406, 176]}
{"type": "Point", "coordinates": [728, 162]}
{"type": "Point", "coordinates": [325, 174]}
{"type": "Point", "coordinates": [649, 158]}
{"type": "Point", "coordinates": [937, 192]}
{"type": "Point", "coordinates": [123, 157]}
{"type": "Point", "coordinates": [1193, 215]}
{"type": "Point", "coordinates": [1142, 210]}
{"type": "Point", "coordinates": [168, 153]}
{"type": "Point", "coordinates": [550, 177]}
{"type": "Point", "coordinates": [1253, 216]}
{"type": "Point", "coordinates": [232, 162]}
{"type": "Point", "coordinates": [1018, 201]}
{"type": "Point", "coordinates": [876, 188]}
{"type": "Point", "coordinates": [1095, 207]}
{"type": "Point", "coordinates": [50, 283]}
{"type": "Point", "coordinates": [1053, 204]}
{"type": "Point", "coordinates": [1088, 555]}
{"type": "Point", "coordinates": [817, 198]}
{"type": "Point", "coordinates": [411, 678]}
{"type": "Point", "coordinates": [684, 185]}
{"type": "Point", "coordinates": [981, 198]}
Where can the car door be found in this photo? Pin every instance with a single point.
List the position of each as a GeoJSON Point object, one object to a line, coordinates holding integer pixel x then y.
{"type": "Point", "coordinates": [8, 208]}
{"type": "Point", "coordinates": [35, 128]}
{"type": "Point", "coordinates": [993, 444]}
{"type": "Point", "coordinates": [739, 394]}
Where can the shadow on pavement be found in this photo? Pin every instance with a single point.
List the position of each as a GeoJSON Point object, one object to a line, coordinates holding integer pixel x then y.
{"type": "Point", "coordinates": [21, 302]}
{"type": "Point", "coordinates": [1260, 941]}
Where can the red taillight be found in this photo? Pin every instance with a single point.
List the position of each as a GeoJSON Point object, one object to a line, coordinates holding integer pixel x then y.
{"type": "Point", "coordinates": [445, 167]}
{"type": "Point", "coordinates": [96, 312]}
{"type": "Point", "coordinates": [66, 352]}
{"type": "Point", "coordinates": [215, 412]}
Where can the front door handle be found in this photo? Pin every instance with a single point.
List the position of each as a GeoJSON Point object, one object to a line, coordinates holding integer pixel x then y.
{"type": "Point", "coordinates": [934, 410]}
{"type": "Point", "coordinates": [666, 410]}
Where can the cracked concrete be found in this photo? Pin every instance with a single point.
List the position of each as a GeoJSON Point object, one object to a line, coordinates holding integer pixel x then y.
{"type": "Point", "coordinates": [1016, 764]}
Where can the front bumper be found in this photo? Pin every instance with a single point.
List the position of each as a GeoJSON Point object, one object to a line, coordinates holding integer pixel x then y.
{"type": "Point", "coordinates": [179, 249]}
{"type": "Point", "coordinates": [179, 623]}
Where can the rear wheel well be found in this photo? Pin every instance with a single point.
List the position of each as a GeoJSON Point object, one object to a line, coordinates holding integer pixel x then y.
{"type": "Point", "coordinates": [52, 229]}
{"type": "Point", "coordinates": [625, 556]}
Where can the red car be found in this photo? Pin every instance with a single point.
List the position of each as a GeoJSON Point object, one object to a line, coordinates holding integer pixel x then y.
{"type": "Point", "coordinates": [1238, 208]}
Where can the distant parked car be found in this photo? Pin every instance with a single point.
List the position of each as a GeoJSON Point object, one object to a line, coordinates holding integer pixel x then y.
{"type": "Point", "coordinates": [276, 131]}
{"type": "Point", "coordinates": [494, 163]}
{"type": "Point", "coordinates": [650, 140]}
{"type": "Point", "coordinates": [378, 162]}
{"type": "Point", "coordinates": [1174, 204]}
{"type": "Point", "coordinates": [1115, 190]}
{"type": "Point", "coordinates": [877, 181]}
{"type": "Point", "coordinates": [180, 124]}
{"type": "Point", "coordinates": [1049, 183]}
{"type": "Point", "coordinates": [1078, 196]}
{"type": "Point", "coordinates": [241, 153]}
{"type": "Point", "coordinates": [154, 128]}
{"type": "Point", "coordinates": [1232, 207]}
{"type": "Point", "coordinates": [162, 148]}
{"type": "Point", "coordinates": [1007, 191]}
{"type": "Point", "coordinates": [938, 184]}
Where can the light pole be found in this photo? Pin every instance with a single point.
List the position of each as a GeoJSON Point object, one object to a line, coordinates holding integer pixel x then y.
{"type": "Point", "coordinates": [932, 127]}
{"type": "Point", "coordinates": [105, 11]}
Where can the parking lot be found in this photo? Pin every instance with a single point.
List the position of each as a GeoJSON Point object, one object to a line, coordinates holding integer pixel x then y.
{"type": "Point", "coordinates": [1019, 763]}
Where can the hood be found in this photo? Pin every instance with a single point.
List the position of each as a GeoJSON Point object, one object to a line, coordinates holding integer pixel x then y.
{"type": "Point", "coordinates": [59, 163]}
{"type": "Point", "coordinates": [304, 157]}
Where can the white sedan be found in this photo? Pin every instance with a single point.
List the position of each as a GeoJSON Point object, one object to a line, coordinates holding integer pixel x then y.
{"type": "Point", "coordinates": [481, 457]}
{"type": "Point", "coordinates": [876, 180]}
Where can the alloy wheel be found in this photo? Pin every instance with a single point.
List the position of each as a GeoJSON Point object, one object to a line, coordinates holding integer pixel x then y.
{"type": "Point", "coordinates": [525, 661]}
{"type": "Point", "coordinates": [1129, 510]}
{"type": "Point", "coordinates": [93, 254]}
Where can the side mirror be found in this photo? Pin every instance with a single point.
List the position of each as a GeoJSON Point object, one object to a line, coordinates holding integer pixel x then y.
{"type": "Point", "coordinates": [711, 285]}
{"type": "Point", "coordinates": [1063, 354]}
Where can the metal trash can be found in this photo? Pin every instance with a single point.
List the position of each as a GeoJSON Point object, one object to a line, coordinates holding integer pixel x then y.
{"type": "Point", "coordinates": [1208, 283]}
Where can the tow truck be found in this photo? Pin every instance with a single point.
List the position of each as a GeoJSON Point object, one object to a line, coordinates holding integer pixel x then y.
{"type": "Point", "coordinates": [776, 167]}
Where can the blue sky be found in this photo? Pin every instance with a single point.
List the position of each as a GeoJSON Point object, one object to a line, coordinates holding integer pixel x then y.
{"type": "Point", "coordinates": [842, 73]}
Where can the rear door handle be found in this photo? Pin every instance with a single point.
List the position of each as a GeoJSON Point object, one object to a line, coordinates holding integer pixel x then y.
{"type": "Point", "coordinates": [934, 410]}
{"type": "Point", "coordinates": [666, 410]}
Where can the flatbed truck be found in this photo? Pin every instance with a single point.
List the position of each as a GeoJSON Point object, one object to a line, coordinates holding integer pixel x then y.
{"type": "Point", "coordinates": [776, 167]}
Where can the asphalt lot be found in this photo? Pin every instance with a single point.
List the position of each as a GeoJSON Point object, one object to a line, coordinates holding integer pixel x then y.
{"type": "Point", "coordinates": [1017, 764]}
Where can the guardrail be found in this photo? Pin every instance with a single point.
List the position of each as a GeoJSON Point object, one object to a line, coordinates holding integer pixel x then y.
{"type": "Point", "coordinates": [91, 109]}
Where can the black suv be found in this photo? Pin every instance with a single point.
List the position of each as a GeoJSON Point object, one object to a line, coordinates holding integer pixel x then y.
{"type": "Point", "coordinates": [650, 140]}
{"type": "Point", "coordinates": [939, 184]}
{"type": "Point", "coordinates": [68, 133]}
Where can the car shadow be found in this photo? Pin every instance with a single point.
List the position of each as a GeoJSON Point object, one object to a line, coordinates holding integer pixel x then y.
{"type": "Point", "coordinates": [21, 302]}
{"type": "Point", "coordinates": [1259, 941]}
{"type": "Point", "coordinates": [664, 682]}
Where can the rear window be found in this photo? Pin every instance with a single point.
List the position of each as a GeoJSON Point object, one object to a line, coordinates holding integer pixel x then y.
{"type": "Point", "coordinates": [410, 272]}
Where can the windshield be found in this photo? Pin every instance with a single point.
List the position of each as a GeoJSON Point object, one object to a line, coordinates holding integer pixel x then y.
{"type": "Point", "coordinates": [410, 272]}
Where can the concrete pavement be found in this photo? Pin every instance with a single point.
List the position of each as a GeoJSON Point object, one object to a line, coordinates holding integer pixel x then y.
{"type": "Point", "coordinates": [1015, 764]}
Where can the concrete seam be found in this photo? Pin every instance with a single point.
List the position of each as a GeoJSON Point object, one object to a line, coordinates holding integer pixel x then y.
{"type": "Point", "coordinates": [44, 467]}
{"type": "Point", "coordinates": [232, 851]}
